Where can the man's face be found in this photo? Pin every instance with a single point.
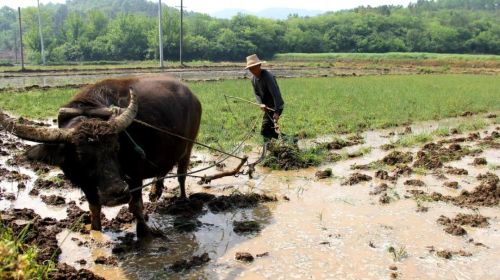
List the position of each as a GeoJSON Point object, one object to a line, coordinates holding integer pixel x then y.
{"type": "Point", "coordinates": [255, 70]}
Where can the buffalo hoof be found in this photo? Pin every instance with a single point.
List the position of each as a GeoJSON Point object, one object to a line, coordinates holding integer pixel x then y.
{"type": "Point", "coordinates": [143, 231]}
{"type": "Point", "coordinates": [153, 196]}
{"type": "Point", "coordinates": [96, 225]}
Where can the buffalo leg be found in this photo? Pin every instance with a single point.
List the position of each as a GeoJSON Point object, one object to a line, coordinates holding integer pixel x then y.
{"type": "Point", "coordinates": [182, 168]}
{"type": "Point", "coordinates": [156, 191]}
{"type": "Point", "coordinates": [136, 207]}
{"type": "Point", "coordinates": [95, 216]}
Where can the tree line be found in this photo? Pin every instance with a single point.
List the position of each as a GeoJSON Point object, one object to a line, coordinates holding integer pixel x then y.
{"type": "Point", "coordinates": [92, 30]}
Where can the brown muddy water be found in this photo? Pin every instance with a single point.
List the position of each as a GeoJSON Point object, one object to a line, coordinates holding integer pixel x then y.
{"type": "Point", "coordinates": [317, 229]}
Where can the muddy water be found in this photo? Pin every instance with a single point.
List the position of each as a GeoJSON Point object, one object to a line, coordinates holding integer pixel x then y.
{"type": "Point", "coordinates": [322, 230]}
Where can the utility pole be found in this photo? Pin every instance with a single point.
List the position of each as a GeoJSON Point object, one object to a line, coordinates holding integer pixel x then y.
{"type": "Point", "coordinates": [21, 36]}
{"type": "Point", "coordinates": [40, 31]}
{"type": "Point", "coordinates": [16, 48]}
{"type": "Point", "coordinates": [181, 35]}
{"type": "Point", "coordinates": [160, 35]}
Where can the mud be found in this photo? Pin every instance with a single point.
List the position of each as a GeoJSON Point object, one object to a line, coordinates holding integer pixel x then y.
{"type": "Point", "coordinates": [311, 235]}
{"type": "Point", "coordinates": [77, 219]}
{"type": "Point", "coordinates": [379, 189]}
{"type": "Point", "coordinates": [384, 199]}
{"type": "Point", "coordinates": [454, 226]}
{"type": "Point", "coordinates": [244, 257]}
{"type": "Point", "coordinates": [195, 261]}
{"type": "Point", "coordinates": [41, 232]}
{"type": "Point", "coordinates": [57, 182]}
{"type": "Point", "coordinates": [13, 176]}
{"type": "Point", "coordinates": [67, 272]}
{"type": "Point", "coordinates": [53, 200]}
{"type": "Point", "coordinates": [402, 170]}
{"type": "Point", "coordinates": [479, 161]}
{"type": "Point", "coordinates": [433, 155]}
{"type": "Point", "coordinates": [397, 157]}
{"type": "Point", "coordinates": [451, 185]}
{"type": "Point", "coordinates": [356, 178]}
{"type": "Point", "coordinates": [245, 227]}
{"type": "Point", "coordinates": [323, 174]}
{"type": "Point", "coordinates": [338, 143]}
{"type": "Point", "coordinates": [414, 182]}
{"type": "Point", "coordinates": [486, 194]}
{"type": "Point", "coordinates": [234, 201]}
{"type": "Point", "coordinates": [20, 160]}
{"type": "Point", "coordinates": [447, 254]}
{"type": "Point", "coordinates": [455, 171]}
{"type": "Point", "coordinates": [111, 261]}
{"type": "Point", "coordinates": [123, 218]}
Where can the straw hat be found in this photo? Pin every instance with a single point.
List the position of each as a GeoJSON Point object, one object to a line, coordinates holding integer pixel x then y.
{"type": "Point", "coordinates": [253, 60]}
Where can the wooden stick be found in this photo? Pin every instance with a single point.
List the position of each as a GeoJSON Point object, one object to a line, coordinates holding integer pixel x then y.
{"type": "Point", "coordinates": [208, 179]}
{"type": "Point", "coordinates": [248, 101]}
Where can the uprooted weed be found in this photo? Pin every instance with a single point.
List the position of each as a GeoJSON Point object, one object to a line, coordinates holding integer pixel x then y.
{"type": "Point", "coordinates": [285, 154]}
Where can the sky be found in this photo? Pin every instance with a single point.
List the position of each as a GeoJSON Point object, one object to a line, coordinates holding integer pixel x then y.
{"type": "Point", "coordinates": [212, 6]}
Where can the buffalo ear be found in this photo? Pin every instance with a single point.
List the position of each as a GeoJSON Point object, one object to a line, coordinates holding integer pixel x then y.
{"type": "Point", "coordinates": [52, 154]}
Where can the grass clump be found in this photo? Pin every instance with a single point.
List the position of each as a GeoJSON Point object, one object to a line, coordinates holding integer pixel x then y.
{"type": "Point", "coordinates": [398, 254]}
{"type": "Point", "coordinates": [413, 139]}
{"type": "Point", "coordinates": [471, 125]}
{"type": "Point", "coordinates": [284, 154]}
{"type": "Point", "coordinates": [17, 260]}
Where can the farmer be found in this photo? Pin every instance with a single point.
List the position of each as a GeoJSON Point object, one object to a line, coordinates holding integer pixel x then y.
{"type": "Point", "coordinates": [267, 93]}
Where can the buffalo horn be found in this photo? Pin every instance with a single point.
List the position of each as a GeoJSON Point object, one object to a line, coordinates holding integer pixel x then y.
{"type": "Point", "coordinates": [34, 133]}
{"type": "Point", "coordinates": [122, 121]}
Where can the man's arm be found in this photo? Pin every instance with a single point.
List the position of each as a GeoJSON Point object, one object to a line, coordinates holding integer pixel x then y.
{"type": "Point", "coordinates": [255, 92]}
{"type": "Point", "coordinates": [273, 88]}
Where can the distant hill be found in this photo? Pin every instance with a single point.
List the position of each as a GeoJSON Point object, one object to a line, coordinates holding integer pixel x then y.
{"type": "Point", "coordinates": [273, 13]}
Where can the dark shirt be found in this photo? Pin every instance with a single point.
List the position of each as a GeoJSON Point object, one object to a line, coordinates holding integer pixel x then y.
{"type": "Point", "coordinates": [267, 91]}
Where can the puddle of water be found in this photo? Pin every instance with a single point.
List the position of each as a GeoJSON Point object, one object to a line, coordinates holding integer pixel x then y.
{"type": "Point", "coordinates": [324, 231]}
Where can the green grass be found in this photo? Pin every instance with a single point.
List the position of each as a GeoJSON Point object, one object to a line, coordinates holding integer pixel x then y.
{"type": "Point", "coordinates": [471, 125]}
{"type": "Point", "coordinates": [17, 260]}
{"type": "Point", "coordinates": [314, 106]}
{"type": "Point", "coordinates": [413, 139]}
{"type": "Point", "coordinates": [381, 56]}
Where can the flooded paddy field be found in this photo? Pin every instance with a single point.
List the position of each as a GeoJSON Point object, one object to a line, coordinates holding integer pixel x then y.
{"type": "Point", "coordinates": [424, 211]}
{"type": "Point", "coordinates": [60, 78]}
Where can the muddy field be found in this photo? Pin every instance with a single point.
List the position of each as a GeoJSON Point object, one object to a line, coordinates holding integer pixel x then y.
{"type": "Point", "coordinates": [77, 78]}
{"type": "Point", "coordinates": [424, 212]}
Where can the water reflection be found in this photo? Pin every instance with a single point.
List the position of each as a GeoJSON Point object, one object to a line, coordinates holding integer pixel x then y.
{"type": "Point", "coordinates": [215, 237]}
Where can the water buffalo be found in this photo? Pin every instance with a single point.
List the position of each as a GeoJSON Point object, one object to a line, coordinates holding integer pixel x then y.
{"type": "Point", "coordinates": [108, 156]}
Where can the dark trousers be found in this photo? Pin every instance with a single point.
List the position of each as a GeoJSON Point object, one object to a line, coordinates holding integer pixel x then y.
{"type": "Point", "coordinates": [267, 130]}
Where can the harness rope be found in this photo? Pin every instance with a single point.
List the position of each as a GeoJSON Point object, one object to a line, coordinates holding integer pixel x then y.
{"type": "Point", "coordinates": [228, 155]}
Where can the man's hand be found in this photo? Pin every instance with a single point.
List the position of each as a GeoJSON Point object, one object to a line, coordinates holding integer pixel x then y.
{"type": "Point", "coordinates": [263, 107]}
{"type": "Point", "coordinates": [276, 117]}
